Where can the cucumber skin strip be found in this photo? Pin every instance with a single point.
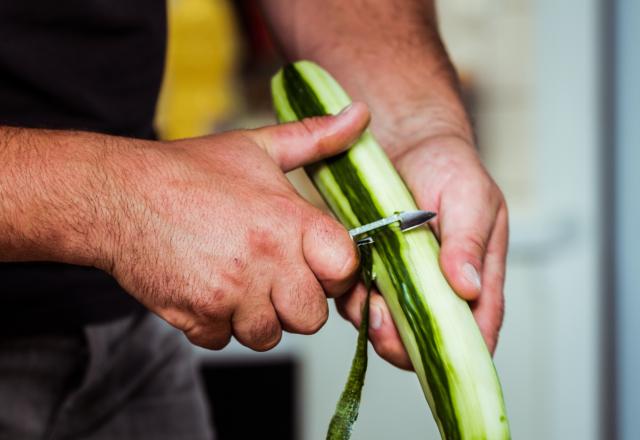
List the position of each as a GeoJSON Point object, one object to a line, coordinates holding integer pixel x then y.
{"type": "Point", "coordinates": [348, 405]}
{"type": "Point", "coordinates": [443, 341]}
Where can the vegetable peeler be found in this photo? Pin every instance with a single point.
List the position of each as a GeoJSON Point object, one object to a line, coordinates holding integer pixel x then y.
{"type": "Point", "coordinates": [407, 219]}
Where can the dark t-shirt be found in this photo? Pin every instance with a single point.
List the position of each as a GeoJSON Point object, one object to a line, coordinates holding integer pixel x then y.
{"type": "Point", "coordinates": [78, 64]}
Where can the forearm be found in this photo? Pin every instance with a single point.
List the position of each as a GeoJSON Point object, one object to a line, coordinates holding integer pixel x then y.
{"type": "Point", "coordinates": [54, 203]}
{"type": "Point", "coordinates": [387, 54]}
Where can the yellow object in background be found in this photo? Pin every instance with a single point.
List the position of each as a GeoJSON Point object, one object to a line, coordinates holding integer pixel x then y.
{"type": "Point", "coordinates": [202, 49]}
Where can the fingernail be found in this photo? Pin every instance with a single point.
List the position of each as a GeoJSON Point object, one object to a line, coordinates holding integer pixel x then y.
{"type": "Point", "coordinates": [471, 274]}
{"type": "Point", "coordinates": [375, 317]}
{"type": "Point", "coordinates": [346, 109]}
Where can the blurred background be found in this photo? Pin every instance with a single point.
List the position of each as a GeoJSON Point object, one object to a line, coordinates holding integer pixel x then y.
{"type": "Point", "coordinates": [552, 88]}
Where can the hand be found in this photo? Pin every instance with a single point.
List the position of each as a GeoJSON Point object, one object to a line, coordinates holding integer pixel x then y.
{"type": "Point", "coordinates": [445, 175]}
{"type": "Point", "coordinates": [214, 239]}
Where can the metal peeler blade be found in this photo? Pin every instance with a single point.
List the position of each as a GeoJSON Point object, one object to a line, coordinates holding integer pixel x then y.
{"type": "Point", "coordinates": [407, 219]}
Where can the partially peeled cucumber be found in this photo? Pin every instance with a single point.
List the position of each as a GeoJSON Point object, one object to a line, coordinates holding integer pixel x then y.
{"type": "Point", "coordinates": [447, 351]}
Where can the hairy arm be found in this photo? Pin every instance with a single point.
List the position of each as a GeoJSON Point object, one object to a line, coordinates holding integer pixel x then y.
{"type": "Point", "coordinates": [53, 195]}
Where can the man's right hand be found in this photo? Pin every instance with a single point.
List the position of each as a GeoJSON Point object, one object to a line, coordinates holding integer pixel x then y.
{"type": "Point", "coordinates": [209, 234]}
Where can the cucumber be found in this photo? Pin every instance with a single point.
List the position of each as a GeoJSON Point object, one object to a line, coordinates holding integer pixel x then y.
{"type": "Point", "coordinates": [447, 351]}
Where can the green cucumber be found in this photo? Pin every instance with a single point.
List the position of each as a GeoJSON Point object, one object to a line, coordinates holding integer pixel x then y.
{"type": "Point", "coordinates": [447, 351]}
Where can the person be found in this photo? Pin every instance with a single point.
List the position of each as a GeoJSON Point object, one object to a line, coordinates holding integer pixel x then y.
{"type": "Point", "coordinates": [205, 233]}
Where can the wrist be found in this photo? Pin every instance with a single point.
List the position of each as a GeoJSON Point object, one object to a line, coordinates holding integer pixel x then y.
{"type": "Point", "coordinates": [57, 196]}
{"type": "Point", "coordinates": [413, 99]}
{"type": "Point", "coordinates": [124, 171]}
{"type": "Point", "coordinates": [424, 120]}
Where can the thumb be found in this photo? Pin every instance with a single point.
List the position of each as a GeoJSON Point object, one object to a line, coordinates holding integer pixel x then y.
{"type": "Point", "coordinates": [295, 144]}
{"type": "Point", "coordinates": [465, 229]}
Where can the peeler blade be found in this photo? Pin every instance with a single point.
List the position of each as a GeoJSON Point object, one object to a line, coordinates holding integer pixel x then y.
{"type": "Point", "coordinates": [407, 219]}
{"type": "Point", "coordinates": [413, 219]}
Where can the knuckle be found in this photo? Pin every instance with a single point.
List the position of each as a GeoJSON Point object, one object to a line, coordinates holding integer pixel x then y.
{"type": "Point", "coordinates": [264, 333]}
{"type": "Point", "coordinates": [234, 275]}
{"type": "Point", "coordinates": [286, 204]}
{"type": "Point", "coordinates": [288, 212]}
{"type": "Point", "coordinates": [474, 244]}
{"type": "Point", "coordinates": [310, 126]}
{"type": "Point", "coordinates": [479, 184]}
{"type": "Point", "coordinates": [493, 195]}
{"type": "Point", "coordinates": [212, 305]}
{"type": "Point", "coordinates": [203, 337]}
{"type": "Point", "coordinates": [219, 343]}
{"type": "Point", "coordinates": [177, 318]}
{"type": "Point", "coordinates": [315, 323]}
{"type": "Point", "coordinates": [305, 310]}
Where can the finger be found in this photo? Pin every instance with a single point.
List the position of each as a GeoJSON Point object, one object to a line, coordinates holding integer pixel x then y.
{"type": "Point", "coordinates": [300, 143]}
{"type": "Point", "coordinates": [350, 304]}
{"type": "Point", "coordinates": [256, 325]}
{"type": "Point", "coordinates": [466, 219]}
{"type": "Point", "coordinates": [330, 253]}
{"type": "Point", "coordinates": [300, 303]}
{"type": "Point", "coordinates": [384, 335]}
{"type": "Point", "coordinates": [212, 335]}
{"type": "Point", "coordinates": [382, 331]}
{"type": "Point", "coordinates": [203, 322]}
{"type": "Point", "coordinates": [488, 309]}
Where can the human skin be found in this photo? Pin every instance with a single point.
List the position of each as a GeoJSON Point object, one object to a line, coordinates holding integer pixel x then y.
{"type": "Point", "coordinates": [201, 230]}
{"type": "Point", "coordinates": [207, 232]}
{"type": "Point", "coordinates": [389, 54]}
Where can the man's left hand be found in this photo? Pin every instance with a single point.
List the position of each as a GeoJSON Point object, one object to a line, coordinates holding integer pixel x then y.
{"type": "Point", "coordinates": [446, 175]}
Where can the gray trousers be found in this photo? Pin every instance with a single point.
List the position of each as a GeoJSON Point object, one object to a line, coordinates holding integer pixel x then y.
{"type": "Point", "coordinates": [129, 379]}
